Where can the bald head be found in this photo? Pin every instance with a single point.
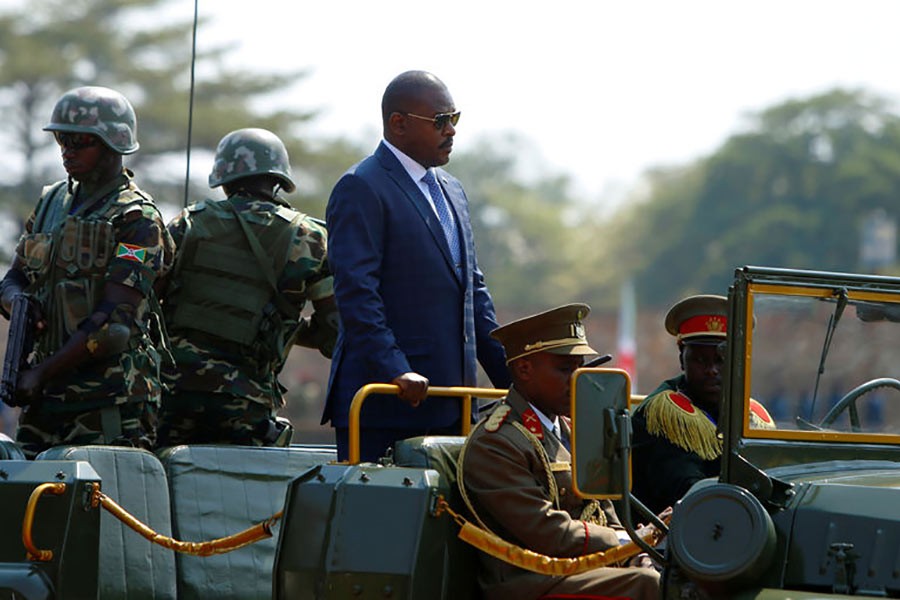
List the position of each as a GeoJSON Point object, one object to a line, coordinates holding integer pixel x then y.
{"type": "Point", "coordinates": [406, 90]}
{"type": "Point", "coordinates": [409, 107]}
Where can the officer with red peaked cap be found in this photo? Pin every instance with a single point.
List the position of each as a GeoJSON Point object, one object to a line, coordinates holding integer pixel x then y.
{"type": "Point", "coordinates": [675, 439]}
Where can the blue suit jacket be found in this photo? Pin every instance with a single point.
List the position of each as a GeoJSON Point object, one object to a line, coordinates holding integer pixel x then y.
{"type": "Point", "coordinates": [403, 308]}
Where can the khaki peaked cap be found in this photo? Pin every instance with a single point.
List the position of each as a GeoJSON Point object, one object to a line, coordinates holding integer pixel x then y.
{"type": "Point", "coordinates": [558, 331]}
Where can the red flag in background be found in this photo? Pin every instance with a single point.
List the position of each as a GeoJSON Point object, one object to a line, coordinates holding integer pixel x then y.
{"type": "Point", "coordinates": [626, 345]}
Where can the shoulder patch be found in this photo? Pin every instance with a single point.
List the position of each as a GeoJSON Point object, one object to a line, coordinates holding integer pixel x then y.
{"type": "Point", "coordinates": [672, 415]}
{"type": "Point", "coordinates": [131, 252]}
{"type": "Point", "coordinates": [496, 418]}
{"type": "Point", "coordinates": [760, 417]}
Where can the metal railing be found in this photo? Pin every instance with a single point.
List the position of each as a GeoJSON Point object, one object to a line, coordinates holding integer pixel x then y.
{"type": "Point", "coordinates": [466, 393]}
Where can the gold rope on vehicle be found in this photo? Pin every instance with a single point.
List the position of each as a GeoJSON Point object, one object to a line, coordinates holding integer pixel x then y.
{"type": "Point", "coordinates": [493, 545]}
{"type": "Point", "coordinates": [249, 536]}
{"type": "Point", "coordinates": [258, 532]}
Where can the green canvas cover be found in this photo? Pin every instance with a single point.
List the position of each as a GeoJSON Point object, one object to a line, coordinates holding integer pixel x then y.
{"type": "Point", "coordinates": [63, 524]}
{"type": "Point", "coordinates": [364, 531]}
{"type": "Point", "coordinates": [130, 566]}
{"type": "Point", "coordinates": [441, 453]}
{"type": "Point", "coordinates": [221, 490]}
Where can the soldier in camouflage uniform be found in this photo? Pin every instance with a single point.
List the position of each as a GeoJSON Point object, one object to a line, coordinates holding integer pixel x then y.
{"type": "Point", "coordinates": [90, 254]}
{"type": "Point", "coordinates": [246, 266]}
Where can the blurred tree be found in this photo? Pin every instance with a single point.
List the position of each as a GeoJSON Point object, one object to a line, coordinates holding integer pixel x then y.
{"type": "Point", "coordinates": [788, 192]}
{"type": "Point", "coordinates": [143, 49]}
{"type": "Point", "coordinates": [522, 229]}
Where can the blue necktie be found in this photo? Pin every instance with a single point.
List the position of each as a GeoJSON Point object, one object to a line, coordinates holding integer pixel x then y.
{"type": "Point", "coordinates": [564, 441]}
{"type": "Point", "coordinates": [445, 218]}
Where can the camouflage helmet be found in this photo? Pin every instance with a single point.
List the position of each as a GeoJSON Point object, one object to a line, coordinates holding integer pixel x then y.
{"type": "Point", "coordinates": [252, 151]}
{"type": "Point", "coordinates": [98, 110]}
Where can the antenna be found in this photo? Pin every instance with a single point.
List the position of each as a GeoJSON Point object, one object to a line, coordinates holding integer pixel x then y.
{"type": "Point", "coordinates": [187, 169]}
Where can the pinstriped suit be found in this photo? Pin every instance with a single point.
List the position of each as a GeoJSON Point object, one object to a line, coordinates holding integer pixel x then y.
{"type": "Point", "coordinates": [403, 308]}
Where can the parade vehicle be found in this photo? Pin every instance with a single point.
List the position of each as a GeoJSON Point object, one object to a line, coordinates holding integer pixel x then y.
{"type": "Point", "coordinates": [806, 510]}
{"type": "Point", "coordinates": [810, 509]}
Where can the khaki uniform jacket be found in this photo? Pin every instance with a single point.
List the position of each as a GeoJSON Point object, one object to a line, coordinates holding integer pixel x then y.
{"type": "Point", "coordinates": [505, 479]}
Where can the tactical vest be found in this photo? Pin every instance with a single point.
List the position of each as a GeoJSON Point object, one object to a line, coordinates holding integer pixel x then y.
{"type": "Point", "coordinates": [65, 258]}
{"type": "Point", "coordinates": [226, 273]}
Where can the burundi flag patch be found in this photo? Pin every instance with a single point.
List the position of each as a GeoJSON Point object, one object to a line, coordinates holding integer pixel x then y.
{"type": "Point", "coordinates": [131, 252]}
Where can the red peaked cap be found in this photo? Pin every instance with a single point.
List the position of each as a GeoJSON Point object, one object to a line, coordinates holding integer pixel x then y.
{"type": "Point", "coordinates": [699, 319]}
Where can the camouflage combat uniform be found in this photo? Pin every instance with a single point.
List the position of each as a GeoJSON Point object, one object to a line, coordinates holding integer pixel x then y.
{"type": "Point", "coordinates": [75, 243]}
{"type": "Point", "coordinates": [67, 255]}
{"type": "Point", "coordinates": [230, 333]}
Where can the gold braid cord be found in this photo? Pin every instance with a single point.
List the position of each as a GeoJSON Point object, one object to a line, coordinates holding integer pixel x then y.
{"type": "Point", "coordinates": [689, 429]}
{"type": "Point", "coordinates": [548, 470]}
{"type": "Point", "coordinates": [538, 563]}
{"type": "Point", "coordinates": [256, 533]}
{"type": "Point", "coordinates": [490, 543]}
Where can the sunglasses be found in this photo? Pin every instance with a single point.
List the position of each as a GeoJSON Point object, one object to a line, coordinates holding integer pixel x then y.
{"type": "Point", "coordinates": [76, 141]}
{"type": "Point", "coordinates": [440, 120]}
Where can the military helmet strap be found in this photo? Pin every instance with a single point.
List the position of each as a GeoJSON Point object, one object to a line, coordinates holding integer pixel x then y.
{"type": "Point", "coordinates": [49, 203]}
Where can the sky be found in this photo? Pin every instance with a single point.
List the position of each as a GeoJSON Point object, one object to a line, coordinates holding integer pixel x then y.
{"type": "Point", "coordinates": [600, 90]}
{"type": "Point", "coordinates": [603, 90]}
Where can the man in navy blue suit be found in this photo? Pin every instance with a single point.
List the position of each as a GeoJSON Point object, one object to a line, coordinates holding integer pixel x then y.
{"type": "Point", "coordinates": [414, 307]}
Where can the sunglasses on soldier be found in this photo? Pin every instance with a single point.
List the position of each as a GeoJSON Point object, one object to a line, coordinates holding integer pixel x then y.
{"type": "Point", "coordinates": [75, 141]}
{"type": "Point", "coordinates": [440, 120]}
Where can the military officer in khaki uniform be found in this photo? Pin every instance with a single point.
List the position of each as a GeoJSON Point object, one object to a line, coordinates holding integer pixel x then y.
{"type": "Point", "coordinates": [516, 471]}
{"type": "Point", "coordinates": [675, 442]}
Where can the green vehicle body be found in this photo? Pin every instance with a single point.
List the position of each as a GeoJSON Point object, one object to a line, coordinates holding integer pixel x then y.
{"type": "Point", "coordinates": [807, 511]}
{"type": "Point", "coordinates": [811, 509]}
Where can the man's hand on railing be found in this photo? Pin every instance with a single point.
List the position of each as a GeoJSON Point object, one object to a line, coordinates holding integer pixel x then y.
{"type": "Point", "coordinates": [413, 388]}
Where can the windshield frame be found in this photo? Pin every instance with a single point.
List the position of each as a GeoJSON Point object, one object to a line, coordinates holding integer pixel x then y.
{"type": "Point", "coordinates": [824, 291]}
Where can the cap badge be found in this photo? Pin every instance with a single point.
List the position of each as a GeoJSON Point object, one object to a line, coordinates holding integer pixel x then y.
{"type": "Point", "coordinates": [715, 324]}
{"type": "Point", "coordinates": [578, 330]}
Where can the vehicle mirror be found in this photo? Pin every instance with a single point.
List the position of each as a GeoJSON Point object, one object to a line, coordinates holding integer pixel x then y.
{"type": "Point", "coordinates": [878, 311]}
{"type": "Point", "coordinates": [600, 429]}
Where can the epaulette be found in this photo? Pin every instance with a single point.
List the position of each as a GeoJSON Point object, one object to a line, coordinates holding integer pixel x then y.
{"type": "Point", "coordinates": [760, 417]}
{"type": "Point", "coordinates": [197, 206]}
{"type": "Point", "coordinates": [133, 195]}
{"type": "Point", "coordinates": [672, 415]}
{"type": "Point", "coordinates": [496, 418]}
{"type": "Point", "coordinates": [286, 213]}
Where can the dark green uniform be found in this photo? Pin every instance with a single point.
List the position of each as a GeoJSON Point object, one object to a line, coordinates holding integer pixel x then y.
{"type": "Point", "coordinates": [67, 253]}
{"type": "Point", "coordinates": [678, 448]}
{"type": "Point", "coordinates": [229, 337]}
{"type": "Point", "coordinates": [246, 268]}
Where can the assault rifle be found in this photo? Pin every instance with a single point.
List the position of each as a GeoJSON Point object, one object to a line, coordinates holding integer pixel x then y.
{"type": "Point", "coordinates": [18, 347]}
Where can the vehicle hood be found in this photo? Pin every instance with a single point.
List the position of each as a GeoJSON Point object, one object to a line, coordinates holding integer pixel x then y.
{"type": "Point", "coordinates": [843, 526]}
